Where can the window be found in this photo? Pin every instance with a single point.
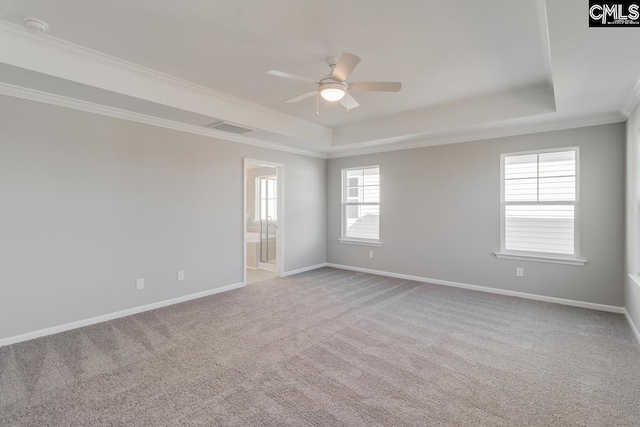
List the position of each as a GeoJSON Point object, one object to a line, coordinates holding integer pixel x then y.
{"type": "Point", "coordinates": [361, 205]}
{"type": "Point", "coordinates": [266, 198]}
{"type": "Point", "coordinates": [540, 204]}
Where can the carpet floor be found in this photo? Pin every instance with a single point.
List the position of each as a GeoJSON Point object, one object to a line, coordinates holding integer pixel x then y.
{"type": "Point", "coordinates": [332, 348]}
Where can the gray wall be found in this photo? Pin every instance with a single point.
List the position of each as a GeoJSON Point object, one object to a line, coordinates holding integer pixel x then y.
{"type": "Point", "coordinates": [440, 215]}
{"type": "Point", "coordinates": [90, 203]}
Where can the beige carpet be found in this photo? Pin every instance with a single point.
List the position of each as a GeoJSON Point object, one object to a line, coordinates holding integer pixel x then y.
{"type": "Point", "coordinates": [332, 348]}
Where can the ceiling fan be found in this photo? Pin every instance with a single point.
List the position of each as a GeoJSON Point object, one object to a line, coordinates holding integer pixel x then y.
{"type": "Point", "coordinates": [334, 86]}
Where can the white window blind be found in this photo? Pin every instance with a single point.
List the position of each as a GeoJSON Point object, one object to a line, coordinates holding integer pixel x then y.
{"type": "Point", "coordinates": [361, 203]}
{"type": "Point", "coordinates": [540, 202]}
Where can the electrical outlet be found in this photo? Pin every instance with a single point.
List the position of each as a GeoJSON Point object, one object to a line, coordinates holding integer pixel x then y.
{"type": "Point", "coordinates": [370, 254]}
{"type": "Point", "coordinates": [180, 276]}
{"type": "Point", "coordinates": [519, 271]}
{"type": "Point", "coordinates": [140, 284]}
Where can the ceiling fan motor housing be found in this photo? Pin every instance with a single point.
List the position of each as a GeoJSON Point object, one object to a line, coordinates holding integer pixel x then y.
{"type": "Point", "coordinates": [332, 61]}
{"type": "Point", "coordinates": [330, 82]}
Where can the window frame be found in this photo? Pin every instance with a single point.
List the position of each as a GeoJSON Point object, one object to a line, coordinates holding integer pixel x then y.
{"type": "Point", "coordinates": [571, 259]}
{"type": "Point", "coordinates": [343, 208]}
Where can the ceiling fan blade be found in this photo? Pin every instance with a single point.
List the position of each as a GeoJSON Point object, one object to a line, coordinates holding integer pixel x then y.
{"type": "Point", "coordinates": [346, 63]}
{"type": "Point", "coordinates": [349, 102]}
{"type": "Point", "coordinates": [375, 86]}
{"type": "Point", "coordinates": [292, 76]}
{"type": "Point", "coordinates": [301, 97]}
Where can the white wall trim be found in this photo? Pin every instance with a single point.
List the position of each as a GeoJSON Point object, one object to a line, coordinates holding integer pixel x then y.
{"type": "Point", "coordinates": [536, 258]}
{"type": "Point", "coordinates": [377, 243]}
{"type": "Point", "coordinates": [110, 316]}
{"type": "Point", "coordinates": [635, 330]}
{"type": "Point", "coordinates": [478, 133]}
{"type": "Point", "coordinates": [573, 303]}
{"type": "Point", "coordinates": [90, 107]}
{"type": "Point", "coordinates": [304, 269]}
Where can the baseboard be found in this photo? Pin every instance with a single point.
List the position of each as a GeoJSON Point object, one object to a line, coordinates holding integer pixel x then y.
{"type": "Point", "coordinates": [635, 330]}
{"type": "Point", "coordinates": [573, 303]}
{"type": "Point", "coordinates": [302, 270]}
{"type": "Point", "coordinates": [105, 317]}
{"type": "Point", "coordinates": [267, 266]}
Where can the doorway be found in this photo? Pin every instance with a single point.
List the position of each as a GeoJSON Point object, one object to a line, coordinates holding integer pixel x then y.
{"type": "Point", "coordinates": [263, 220]}
{"type": "Point", "coordinates": [267, 215]}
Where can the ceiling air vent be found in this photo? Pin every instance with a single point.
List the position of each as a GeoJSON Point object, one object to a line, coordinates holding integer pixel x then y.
{"type": "Point", "coordinates": [229, 127]}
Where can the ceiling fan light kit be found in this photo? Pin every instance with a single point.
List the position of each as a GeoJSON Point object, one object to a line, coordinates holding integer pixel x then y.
{"type": "Point", "coordinates": [334, 87]}
{"type": "Point", "coordinates": [331, 90]}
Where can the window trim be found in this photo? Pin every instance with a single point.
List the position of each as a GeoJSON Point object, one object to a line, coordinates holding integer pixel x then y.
{"type": "Point", "coordinates": [343, 204]}
{"type": "Point", "coordinates": [556, 258]}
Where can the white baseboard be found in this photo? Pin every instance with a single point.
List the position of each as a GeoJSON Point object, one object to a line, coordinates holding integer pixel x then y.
{"type": "Point", "coordinates": [267, 266]}
{"type": "Point", "coordinates": [302, 270]}
{"type": "Point", "coordinates": [105, 317]}
{"type": "Point", "coordinates": [573, 303]}
{"type": "Point", "coordinates": [635, 330]}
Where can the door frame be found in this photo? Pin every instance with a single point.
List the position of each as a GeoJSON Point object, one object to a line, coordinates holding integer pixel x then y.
{"type": "Point", "coordinates": [281, 215]}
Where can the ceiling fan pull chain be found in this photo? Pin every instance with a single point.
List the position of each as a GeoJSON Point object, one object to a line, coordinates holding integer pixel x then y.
{"type": "Point", "coordinates": [347, 106]}
{"type": "Point", "coordinates": [317, 102]}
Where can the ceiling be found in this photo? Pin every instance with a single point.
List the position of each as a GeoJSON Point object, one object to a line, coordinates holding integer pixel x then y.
{"type": "Point", "coordinates": [467, 67]}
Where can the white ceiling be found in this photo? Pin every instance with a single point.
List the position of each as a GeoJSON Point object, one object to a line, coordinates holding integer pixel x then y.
{"type": "Point", "coordinates": [466, 66]}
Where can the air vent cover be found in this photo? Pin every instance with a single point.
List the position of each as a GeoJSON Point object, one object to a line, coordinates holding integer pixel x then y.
{"type": "Point", "coordinates": [229, 127]}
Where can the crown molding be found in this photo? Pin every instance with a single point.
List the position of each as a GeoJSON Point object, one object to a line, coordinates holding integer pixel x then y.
{"type": "Point", "coordinates": [49, 55]}
{"type": "Point", "coordinates": [478, 134]}
{"type": "Point", "coordinates": [416, 141]}
{"type": "Point", "coordinates": [90, 107]}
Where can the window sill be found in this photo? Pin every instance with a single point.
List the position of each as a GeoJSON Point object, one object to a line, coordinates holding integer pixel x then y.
{"type": "Point", "coordinates": [537, 258]}
{"type": "Point", "coordinates": [377, 243]}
